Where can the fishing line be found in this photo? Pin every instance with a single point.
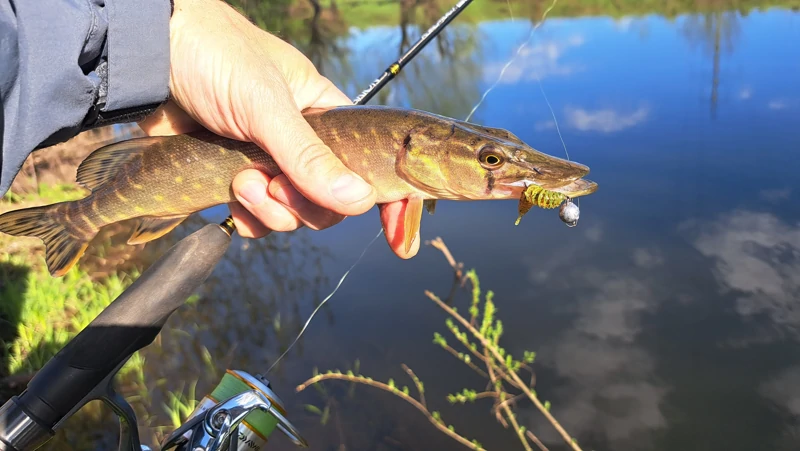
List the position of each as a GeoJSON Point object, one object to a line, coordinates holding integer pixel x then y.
{"type": "Point", "coordinates": [324, 301]}
{"type": "Point", "coordinates": [513, 58]}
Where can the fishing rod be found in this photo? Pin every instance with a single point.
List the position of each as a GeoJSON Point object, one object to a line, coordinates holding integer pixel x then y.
{"type": "Point", "coordinates": [85, 368]}
{"type": "Point", "coordinates": [398, 65]}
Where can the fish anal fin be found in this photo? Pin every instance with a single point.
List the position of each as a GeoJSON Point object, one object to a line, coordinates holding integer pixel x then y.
{"type": "Point", "coordinates": [151, 228]}
{"type": "Point", "coordinates": [411, 221]}
{"type": "Point", "coordinates": [104, 163]}
{"type": "Point", "coordinates": [62, 249]}
{"type": "Point", "coordinates": [430, 206]}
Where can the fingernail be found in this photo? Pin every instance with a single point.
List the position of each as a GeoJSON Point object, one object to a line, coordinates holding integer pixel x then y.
{"type": "Point", "coordinates": [285, 193]}
{"type": "Point", "coordinates": [348, 189]}
{"type": "Point", "coordinates": [253, 192]}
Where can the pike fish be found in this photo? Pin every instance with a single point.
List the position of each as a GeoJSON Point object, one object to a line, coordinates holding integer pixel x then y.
{"type": "Point", "coordinates": [403, 153]}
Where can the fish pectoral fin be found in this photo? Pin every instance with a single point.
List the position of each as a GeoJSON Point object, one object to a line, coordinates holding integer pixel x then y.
{"type": "Point", "coordinates": [430, 206]}
{"type": "Point", "coordinates": [103, 164]}
{"type": "Point", "coordinates": [411, 221]}
{"type": "Point", "coordinates": [151, 228]}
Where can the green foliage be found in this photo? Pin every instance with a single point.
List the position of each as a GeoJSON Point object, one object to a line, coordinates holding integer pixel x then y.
{"type": "Point", "coordinates": [529, 356]}
{"type": "Point", "coordinates": [48, 194]}
{"type": "Point", "coordinates": [287, 17]}
{"type": "Point", "coordinates": [465, 396]}
{"type": "Point", "coordinates": [180, 405]}
{"type": "Point", "coordinates": [47, 312]}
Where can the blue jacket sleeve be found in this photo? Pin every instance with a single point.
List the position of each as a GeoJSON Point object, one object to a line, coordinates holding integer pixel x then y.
{"type": "Point", "coordinates": [71, 65]}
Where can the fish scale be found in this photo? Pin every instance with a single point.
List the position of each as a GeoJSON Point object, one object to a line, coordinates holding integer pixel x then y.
{"type": "Point", "coordinates": [405, 154]}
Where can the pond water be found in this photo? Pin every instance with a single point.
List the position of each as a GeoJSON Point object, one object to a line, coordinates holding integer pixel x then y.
{"type": "Point", "coordinates": [669, 318]}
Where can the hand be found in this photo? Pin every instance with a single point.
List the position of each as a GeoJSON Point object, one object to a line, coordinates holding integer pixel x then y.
{"type": "Point", "coordinates": [239, 81]}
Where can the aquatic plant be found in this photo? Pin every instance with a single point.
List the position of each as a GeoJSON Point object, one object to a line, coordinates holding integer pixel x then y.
{"type": "Point", "coordinates": [479, 335]}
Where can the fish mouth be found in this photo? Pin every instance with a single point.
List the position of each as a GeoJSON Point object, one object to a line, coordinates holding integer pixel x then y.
{"type": "Point", "coordinates": [572, 188]}
{"type": "Point", "coordinates": [553, 174]}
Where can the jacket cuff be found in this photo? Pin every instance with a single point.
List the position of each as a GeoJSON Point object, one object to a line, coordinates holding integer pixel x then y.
{"type": "Point", "coordinates": [138, 68]}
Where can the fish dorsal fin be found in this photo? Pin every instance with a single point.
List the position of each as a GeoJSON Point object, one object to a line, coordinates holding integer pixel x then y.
{"type": "Point", "coordinates": [103, 164]}
{"type": "Point", "coordinates": [151, 228]}
{"type": "Point", "coordinates": [430, 205]}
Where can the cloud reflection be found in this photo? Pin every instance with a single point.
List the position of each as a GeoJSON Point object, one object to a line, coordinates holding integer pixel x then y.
{"type": "Point", "coordinates": [605, 120]}
{"type": "Point", "coordinates": [775, 195]}
{"type": "Point", "coordinates": [776, 104]}
{"type": "Point", "coordinates": [745, 93]}
{"type": "Point", "coordinates": [540, 60]}
{"type": "Point", "coordinates": [757, 257]}
{"type": "Point", "coordinates": [610, 389]}
{"type": "Point", "coordinates": [784, 391]}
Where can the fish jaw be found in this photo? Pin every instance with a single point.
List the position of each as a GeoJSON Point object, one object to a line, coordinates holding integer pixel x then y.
{"type": "Point", "coordinates": [573, 189]}
{"type": "Point", "coordinates": [548, 172]}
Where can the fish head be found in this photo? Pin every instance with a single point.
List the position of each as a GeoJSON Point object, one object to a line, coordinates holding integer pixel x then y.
{"type": "Point", "coordinates": [464, 161]}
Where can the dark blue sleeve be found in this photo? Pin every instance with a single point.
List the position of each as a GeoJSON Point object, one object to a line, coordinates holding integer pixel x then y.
{"type": "Point", "coordinates": [71, 65]}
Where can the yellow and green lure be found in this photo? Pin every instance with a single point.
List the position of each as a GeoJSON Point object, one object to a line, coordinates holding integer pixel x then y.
{"type": "Point", "coordinates": [540, 197]}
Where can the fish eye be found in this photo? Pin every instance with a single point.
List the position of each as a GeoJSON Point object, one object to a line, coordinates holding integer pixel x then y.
{"type": "Point", "coordinates": [491, 158]}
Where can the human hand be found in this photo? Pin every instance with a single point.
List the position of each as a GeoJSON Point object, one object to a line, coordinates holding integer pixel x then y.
{"type": "Point", "coordinates": [239, 81]}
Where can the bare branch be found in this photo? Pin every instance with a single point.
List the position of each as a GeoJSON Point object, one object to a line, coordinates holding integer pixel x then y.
{"type": "Point", "coordinates": [417, 383]}
{"type": "Point", "coordinates": [457, 267]}
{"type": "Point", "coordinates": [393, 390]}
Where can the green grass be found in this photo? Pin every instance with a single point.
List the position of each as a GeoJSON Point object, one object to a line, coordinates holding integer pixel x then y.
{"type": "Point", "coordinates": [367, 14]}
{"type": "Point", "coordinates": [47, 194]}
{"type": "Point", "coordinates": [47, 312]}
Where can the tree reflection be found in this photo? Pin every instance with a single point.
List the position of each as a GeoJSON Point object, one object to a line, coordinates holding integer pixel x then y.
{"type": "Point", "coordinates": [452, 60]}
{"type": "Point", "coordinates": [715, 32]}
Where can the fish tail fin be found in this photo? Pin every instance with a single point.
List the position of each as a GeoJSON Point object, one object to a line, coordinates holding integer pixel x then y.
{"type": "Point", "coordinates": [62, 249]}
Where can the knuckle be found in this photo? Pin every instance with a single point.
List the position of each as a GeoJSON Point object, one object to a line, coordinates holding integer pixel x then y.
{"type": "Point", "coordinates": [276, 218]}
{"type": "Point", "coordinates": [324, 220]}
{"type": "Point", "coordinates": [284, 225]}
{"type": "Point", "coordinates": [315, 157]}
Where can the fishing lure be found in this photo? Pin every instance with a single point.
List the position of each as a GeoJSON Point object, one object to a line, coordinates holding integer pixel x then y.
{"type": "Point", "coordinates": [540, 197]}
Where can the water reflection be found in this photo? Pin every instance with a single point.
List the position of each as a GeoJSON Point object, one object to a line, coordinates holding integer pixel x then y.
{"type": "Point", "coordinates": [716, 33]}
{"type": "Point", "coordinates": [608, 389]}
{"type": "Point", "coordinates": [605, 120]}
{"type": "Point", "coordinates": [756, 257]}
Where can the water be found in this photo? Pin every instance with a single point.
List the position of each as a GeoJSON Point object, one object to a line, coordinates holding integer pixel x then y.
{"type": "Point", "coordinates": [668, 319]}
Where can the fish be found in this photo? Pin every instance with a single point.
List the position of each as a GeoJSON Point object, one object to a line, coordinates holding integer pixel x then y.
{"type": "Point", "coordinates": [405, 154]}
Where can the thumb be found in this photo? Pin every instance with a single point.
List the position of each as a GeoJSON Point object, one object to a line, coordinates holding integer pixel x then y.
{"type": "Point", "coordinates": [314, 170]}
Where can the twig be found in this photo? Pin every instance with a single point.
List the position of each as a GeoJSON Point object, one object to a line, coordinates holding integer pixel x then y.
{"type": "Point", "coordinates": [457, 267]}
{"type": "Point", "coordinates": [417, 383]}
{"type": "Point", "coordinates": [506, 408]}
{"type": "Point", "coordinates": [449, 349]}
{"type": "Point", "coordinates": [514, 376]}
{"type": "Point", "coordinates": [380, 385]}
{"type": "Point", "coordinates": [535, 439]}
{"type": "Point", "coordinates": [458, 275]}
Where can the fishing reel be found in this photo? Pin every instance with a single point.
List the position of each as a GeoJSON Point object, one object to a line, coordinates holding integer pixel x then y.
{"type": "Point", "coordinates": [244, 421]}
{"type": "Point", "coordinates": [247, 414]}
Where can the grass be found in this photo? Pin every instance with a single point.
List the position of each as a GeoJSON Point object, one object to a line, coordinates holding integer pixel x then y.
{"type": "Point", "coordinates": [282, 17]}
{"type": "Point", "coordinates": [47, 312]}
